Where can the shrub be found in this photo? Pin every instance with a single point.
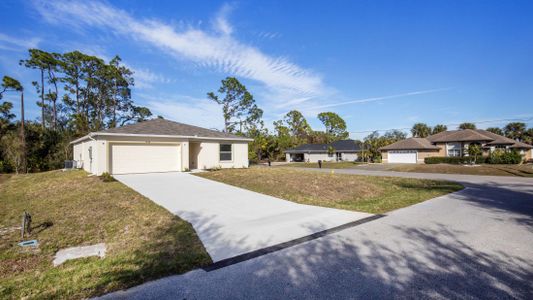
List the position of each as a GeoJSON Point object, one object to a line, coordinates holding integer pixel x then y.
{"type": "Point", "coordinates": [502, 157]}
{"type": "Point", "coordinates": [454, 160]}
{"type": "Point", "coordinates": [106, 177]}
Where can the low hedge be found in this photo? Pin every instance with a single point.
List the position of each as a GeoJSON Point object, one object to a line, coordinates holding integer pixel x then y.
{"type": "Point", "coordinates": [496, 157]}
{"type": "Point", "coordinates": [455, 160]}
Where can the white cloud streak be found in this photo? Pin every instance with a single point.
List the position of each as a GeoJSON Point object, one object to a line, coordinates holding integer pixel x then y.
{"type": "Point", "coordinates": [218, 51]}
{"type": "Point", "coordinates": [374, 99]}
{"type": "Point", "coordinates": [186, 109]}
{"type": "Point", "coordinates": [8, 42]}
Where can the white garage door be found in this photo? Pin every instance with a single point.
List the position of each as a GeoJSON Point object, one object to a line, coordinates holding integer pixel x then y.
{"type": "Point", "coordinates": [132, 158]}
{"type": "Point", "coordinates": [402, 157]}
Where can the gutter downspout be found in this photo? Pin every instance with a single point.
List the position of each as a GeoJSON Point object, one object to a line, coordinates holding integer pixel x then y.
{"type": "Point", "coordinates": [90, 136]}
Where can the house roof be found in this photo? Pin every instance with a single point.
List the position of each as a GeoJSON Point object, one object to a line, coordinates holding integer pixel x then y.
{"type": "Point", "coordinates": [339, 146]}
{"type": "Point", "coordinates": [346, 145]}
{"type": "Point", "coordinates": [162, 127]}
{"type": "Point", "coordinates": [466, 135]}
{"type": "Point", "coordinates": [411, 144]}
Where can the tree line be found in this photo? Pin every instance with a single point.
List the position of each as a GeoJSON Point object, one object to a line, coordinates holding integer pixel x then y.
{"type": "Point", "coordinates": [78, 93]}
{"type": "Point", "coordinates": [242, 116]}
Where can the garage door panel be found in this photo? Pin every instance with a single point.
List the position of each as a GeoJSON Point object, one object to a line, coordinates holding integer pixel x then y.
{"type": "Point", "coordinates": [142, 158]}
{"type": "Point", "coordinates": [402, 157]}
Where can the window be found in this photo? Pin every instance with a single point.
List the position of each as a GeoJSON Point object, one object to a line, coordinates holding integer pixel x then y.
{"type": "Point", "coordinates": [454, 152]}
{"type": "Point", "coordinates": [225, 152]}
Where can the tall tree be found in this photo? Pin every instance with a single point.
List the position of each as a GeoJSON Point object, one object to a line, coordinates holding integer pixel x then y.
{"type": "Point", "coordinates": [420, 130]}
{"type": "Point", "coordinates": [495, 130]}
{"type": "Point", "coordinates": [528, 136]}
{"type": "Point", "coordinates": [238, 105]}
{"type": "Point", "coordinates": [335, 125]}
{"type": "Point", "coordinates": [42, 61]}
{"type": "Point", "coordinates": [467, 125]}
{"type": "Point", "coordinates": [515, 130]}
{"type": "Point", "coordinates": [392, 136]}
{"type": "Point", "coordinates": [298, 127]}
{"type": "Point", "coordinates": [439, 128]}
{"type": "Point", "coordinates": [11, 84]}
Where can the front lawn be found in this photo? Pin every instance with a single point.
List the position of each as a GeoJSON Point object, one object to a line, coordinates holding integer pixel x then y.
{"type": "Point", "coordinates": [352, 192]}
{"type": "Point", "coordinates": [325, 165]}
{"type": "Point", "coordinates": [144, 241]}
{"type": "Point", "coordinates": [485, 169]}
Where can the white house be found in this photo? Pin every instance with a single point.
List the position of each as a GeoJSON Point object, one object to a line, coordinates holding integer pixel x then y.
{"type": "Point", "coordinates": [344, 150]}
{"type": "Point", "coordinates": [159, 146]}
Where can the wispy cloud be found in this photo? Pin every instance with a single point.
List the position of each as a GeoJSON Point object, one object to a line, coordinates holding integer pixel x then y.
{"type": "Point", "coordinates": [218, 50]}
{"type": "Point", "coordinates": [374, 99]}
{"type": "Point", "coordinates": [11, 43]}
{"type": "Point", "coordinates": [145, 78]}
{"type": "Point", "coordinates": [186, 109]}
{"type": "Point", "coordinates": [221, 21]}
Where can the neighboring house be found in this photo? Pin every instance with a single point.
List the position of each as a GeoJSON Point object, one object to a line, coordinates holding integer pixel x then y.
{"type": "Point", "coordinates": [159, 146]}
{"type": "Point", "coordinates": [450, 143]}
{"type": "Point", "coordinates": [345, 150]}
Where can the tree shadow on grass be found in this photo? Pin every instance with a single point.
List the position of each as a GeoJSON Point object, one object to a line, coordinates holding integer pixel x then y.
{"type": "Point", "coordinates": [380, 259]}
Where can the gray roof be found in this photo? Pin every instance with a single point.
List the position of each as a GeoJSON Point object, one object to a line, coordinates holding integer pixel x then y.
{"type": "Point", "coordinates": [411, 144]}
{"type": "Point", "coordinates": [162, 127]}
{"type": "Point", "coordinates": [339, 146]}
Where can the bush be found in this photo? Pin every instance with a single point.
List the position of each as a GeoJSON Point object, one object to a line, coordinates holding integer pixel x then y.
{"type": "Point", "coordinates": [503, 157]}
{"type": "Point", "coordinates": [496, 157]}
{"type": "Point", "coordinates": [454, 160]}
{"type": "Point", "coordinates": [106, 177]}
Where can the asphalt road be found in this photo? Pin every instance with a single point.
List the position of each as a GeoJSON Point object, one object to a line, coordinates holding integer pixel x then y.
{"type": "Point", "coordinates": [475, 244]}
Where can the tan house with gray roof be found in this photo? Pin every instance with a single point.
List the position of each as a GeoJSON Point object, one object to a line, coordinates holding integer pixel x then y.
{"type": "Point", "coordinates": [159, 146]}
{"type": "Point", "coordinates": [450, 143]}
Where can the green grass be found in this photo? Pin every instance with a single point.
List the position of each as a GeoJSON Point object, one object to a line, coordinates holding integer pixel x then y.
{"type": "Point", "coordinates": [144, 241]}
{"type": "Point", "coordinates": [325, 165]}
{"type": "Point", "coordinates": [485, 169]}
{"type": "Point", "coordinates": [352, 192]}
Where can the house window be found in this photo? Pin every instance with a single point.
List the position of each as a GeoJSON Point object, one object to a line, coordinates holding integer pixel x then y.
{"type": "Point", "coordinates": [225, 152]}
{"type": "Point", "coordinates": [454, 152]}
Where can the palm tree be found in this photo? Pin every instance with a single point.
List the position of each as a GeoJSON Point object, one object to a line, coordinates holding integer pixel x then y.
{"type": "Point", "coordinates": [420, 130]}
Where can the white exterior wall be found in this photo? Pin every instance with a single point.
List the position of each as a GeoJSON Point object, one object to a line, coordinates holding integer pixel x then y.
{"type": "Point", "coordinates": [315, 157]}
{"type": "Point", "coordinates": [349, 156]}
{"type": "Point", "coordinates": [209, 155]}
{"type": "Point", "coordinates": [81, 155]}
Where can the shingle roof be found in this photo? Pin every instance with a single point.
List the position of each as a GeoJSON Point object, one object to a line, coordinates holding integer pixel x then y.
{"type": "Point", "coordinates": [339, 146]}
{"type": "Point", "coordinates": [466, 135]}
{"type": "Point", "coordinates": [166, 127]}
{"type": "Point", "coordinates": [411, 144]}
{"type": "Point", "coordinates": [346, 145]}
{"type": "Point", "coordinates": [520, 145]}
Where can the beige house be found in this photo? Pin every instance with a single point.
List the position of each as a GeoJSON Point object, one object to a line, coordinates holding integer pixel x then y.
{"type": "Point", "coordinates": [450, 143]}
{"type": "Point", "coordinates": [159, 146]}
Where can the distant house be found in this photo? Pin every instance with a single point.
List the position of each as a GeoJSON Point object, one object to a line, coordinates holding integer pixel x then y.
{"type": "Point", "coordinates": [345, 150]}
{"type": "Point", "coordinates": [450, 143]}
{"type": "Point", "coordinates": [159, 146]}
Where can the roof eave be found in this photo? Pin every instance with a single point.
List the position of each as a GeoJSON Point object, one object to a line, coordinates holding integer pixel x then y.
{"type": "Point", "coordinates": [93, 134]}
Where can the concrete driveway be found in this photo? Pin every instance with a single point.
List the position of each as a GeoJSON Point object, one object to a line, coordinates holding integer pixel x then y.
{"type": "Point", "coordinates": [232, 221]}
{"type": "Point", "coordinates": [474, 244]}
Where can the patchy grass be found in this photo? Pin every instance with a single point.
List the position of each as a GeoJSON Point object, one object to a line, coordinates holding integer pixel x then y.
{"type": "Point", "coordinates": [325, 165]}
{"type": "Point", "coordinates": [69, 209]}
{"type": "Point", "coordinates": [485, 169]}
{"type": "Point", "coordinates": [352, 192]}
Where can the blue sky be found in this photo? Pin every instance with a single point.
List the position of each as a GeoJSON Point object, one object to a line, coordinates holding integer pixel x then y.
{"type": "Point", "coordinates": [378, 64]}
